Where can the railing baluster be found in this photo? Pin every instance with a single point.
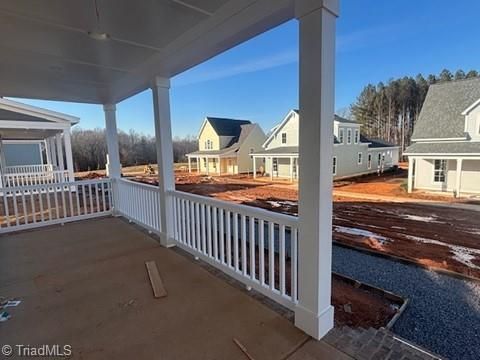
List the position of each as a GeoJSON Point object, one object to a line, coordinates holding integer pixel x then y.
{"type": "Point", "coordinates": [32, 203]}
{"type": "Point", "coordinates": [24, 207]}
{"type": "Point", "coordinates": [215, 234]}
{"type": "Point", "coordinates": [235, 241]}
{"type": "Point", "coordinates": [15, 207]}
{"type": "Point", "coordinates": [293, 263]}
{"type": "Point", "coordinates": [84, 198]}
{"type": "Point", "coordinates": [271, 255]}
{"type": "Point", "coordinates": [261, 251]}
{"type": "Point", "coordinates": [229, 239]}
{"type": "Point", "coordinates": [49, 203]}
{"type": "Point", "coordinates": [204, 232]}
{"type": "Point", "coordinates": [243, 239]}
{"type": "Point", "coordinates": [252, 247]}
{"type": "Point", "coordinates": [197, 223]}
{"type": "Point", "coordinates": [209, 231]}
{"type": "Point", "coordinates": [221, 236]}
{"type": "Point", "coordinates": [282, 259]}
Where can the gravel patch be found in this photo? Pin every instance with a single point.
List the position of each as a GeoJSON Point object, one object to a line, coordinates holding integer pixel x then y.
{"type": "Point", "coordinates": [444, 312]}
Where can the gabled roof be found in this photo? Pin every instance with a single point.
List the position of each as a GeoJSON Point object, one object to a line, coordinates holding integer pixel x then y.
{"type": "Point", "coordinates": [17, 111]}
{"type": "Point", "coordinates": [454, 148]}
{"type": "Point", "coordinates": [234, 144]}
{"type": "Point", "coordinates": [441, 116]}
{"type": "Point", "coordinates": [227, 127]}
{"type": "Point", "coordinates": [344, 121]}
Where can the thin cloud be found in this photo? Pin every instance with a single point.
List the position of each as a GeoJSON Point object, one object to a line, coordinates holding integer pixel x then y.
{"type": "Point", "coordinates": [368, 37]}
{"type": "Point", "coordinates": [246, 67]}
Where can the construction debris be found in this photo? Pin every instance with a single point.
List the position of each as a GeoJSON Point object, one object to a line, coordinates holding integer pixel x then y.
{"type": "Point", "coordinates": [155, 280]}
{"type": "Point", "coordinates": [149, 170]}
{"type": "Point", "coordinates": [4, 316]}
{"type": "Point", "coordinates": [243, 348]}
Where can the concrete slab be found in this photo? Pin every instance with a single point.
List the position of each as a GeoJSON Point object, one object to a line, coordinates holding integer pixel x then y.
{"type": "Point", "coordinates": [85, 284]}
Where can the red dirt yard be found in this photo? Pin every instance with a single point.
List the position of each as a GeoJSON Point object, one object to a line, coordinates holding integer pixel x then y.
{"type": "Point", "coordinates": [438, 237]}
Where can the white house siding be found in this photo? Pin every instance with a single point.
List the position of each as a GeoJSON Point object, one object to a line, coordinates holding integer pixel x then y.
{"type": "Point", "coordinates": [347, 159]}
{"type": "Point", "coordinates": [470, 176]}
{"type": "Point", "coordinates": [473, 123]}
{"type": "Point", "coordinates": [291, 129]}
{"type": "Point", "coordinates": [22, 154]}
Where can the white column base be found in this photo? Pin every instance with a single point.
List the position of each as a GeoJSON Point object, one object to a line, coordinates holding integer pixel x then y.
{"type": "Point", "coordinates": [317, 326]}
{"type": "Point", "coordinates": [166, 241]}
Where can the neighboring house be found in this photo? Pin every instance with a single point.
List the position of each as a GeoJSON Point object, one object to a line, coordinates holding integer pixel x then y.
{"type": "Point", "coordinates": [353, 154]}
{"type": "Point", "coordinates": [225, 146]}
{"type": "Point", "coordinates": [445, 151]}
{"type": "Point", "coordinates": [35, 145]}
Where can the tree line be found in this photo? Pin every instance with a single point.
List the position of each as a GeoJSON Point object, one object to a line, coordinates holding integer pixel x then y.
{"type": "Point", "coordinates": [89, 148]}
{"type": "Point", "coordinates": [389, 111]}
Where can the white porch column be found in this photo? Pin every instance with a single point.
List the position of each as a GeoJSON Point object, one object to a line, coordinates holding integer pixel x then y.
{"type": "Point", "coordinates": [291, 169]}
{"type": "Point", "coordinates": [411, 162]}
{"type": "Point", "coordinates": [314, 313]}
{"type": "Point", "coordinates": [254, 167]}
{"type": "Point", "coordinates": [199, 165]}
{"type": "Point", "coordinates": [111, 133]}
{"type": "Point", "coordinates": [219, 171]}
{"type": "Point", "coordinates": [53, 151]}
{"type": "Point", "coordinates": [458, 182]}
{"type": "Point", "coordinates": [48, 152]}
{"type": "Point", "coordinates": [61, 164]}
{"type": "Point", "coordinates": [271, 168]}
{"type": "Point", "coordinates": [189, 165]}
{"type": "Point", "coordinates": [68, 154]}
{"type": "Point", "coordinates": [207, 160]}
{"type": "Point", "coordinates": [163, 136]}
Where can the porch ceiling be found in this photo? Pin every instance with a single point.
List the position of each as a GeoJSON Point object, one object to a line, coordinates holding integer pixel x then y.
{"type": "Point", "coordinates": [46, 51]}
{"type": "Point", "coordinates": [27, 134]}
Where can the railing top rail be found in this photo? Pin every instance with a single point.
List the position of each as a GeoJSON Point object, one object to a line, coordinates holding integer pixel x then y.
{"type": "Point", "coordinates": [261, 214]}
{"type": "Point", "coordinates": [139, 184]}
{"type": "Point", "coordinates": [36, 173]}
{"type": "Point", "coordinates": [53, 185]}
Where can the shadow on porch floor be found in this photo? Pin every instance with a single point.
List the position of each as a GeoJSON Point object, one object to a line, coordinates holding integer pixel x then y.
{"type": "Point", "coordinates": [85, 284]}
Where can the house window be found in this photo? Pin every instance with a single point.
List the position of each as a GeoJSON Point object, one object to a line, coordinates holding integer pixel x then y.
{"type": "Point", "coordinates": [439, 171]}
{"type": "Point", "coordinates": [341, 136]}
{"type": "Point", "coordinates": [369, 161]}
{"type": "Point", "coordinates": [284, 138]}
{"type": "Point", "coordinates": [204, 162]}
{"type": "Point", "coordinates": [357, 136]}
{"type": "Point", "coordinates": [379, 160]}
{"type": "Point", "coordinates": [360, 158]}
{"type": "Point", "coordinates": [349, 136]}
{"type": "Point", "coordinates": [334, 165]}
{"type": "Point", "coordinates": [208, 145]}
{"type": "Point", "coordinates": [214, 164]}
{"type": "Point", "coordinates": [275, 164]}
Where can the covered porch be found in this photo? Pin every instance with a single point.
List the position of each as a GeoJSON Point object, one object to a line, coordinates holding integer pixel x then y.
{"type": "Point", "coordinates": [287, 259]}
{"type": "Point", "coordinates": [35, 145]}
{"type": "Point", "coordinates": [212, 164]}
{"type": "Point", "coordinates": [283, 165]}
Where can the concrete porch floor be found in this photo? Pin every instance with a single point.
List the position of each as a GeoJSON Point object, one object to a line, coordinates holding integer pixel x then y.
{"type": "Point", "coordinates": [85, 284]}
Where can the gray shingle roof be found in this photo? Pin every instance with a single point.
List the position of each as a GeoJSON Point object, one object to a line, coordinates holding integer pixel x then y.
{"type": "Point", "coordinates": [441, 115]}
{"type": "Point", "coordinates": [444, 148]}
{"type": "Point", "coordinates": [375, 143]}
{"type": "Point", "coordinates": [279, 150]}
{"type": "Point", "coordinates": [227, 127]}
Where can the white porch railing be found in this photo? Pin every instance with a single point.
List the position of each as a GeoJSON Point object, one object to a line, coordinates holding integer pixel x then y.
{"type": "Point", "coordinates": [35, 178]}
{"type": "Point", "coordinates": [28, 169]}
{"type": "Point", "coordinates": [255, 246]}
{"type": "Point", "coordinates": [139, 203]}
{"type": "Point", "coordinates": [39, 205]}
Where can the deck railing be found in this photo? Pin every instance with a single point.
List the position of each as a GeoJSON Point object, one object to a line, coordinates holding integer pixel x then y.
{"type": "Point", "coordinates": [139, 203]}
{"type": "Point", "coordinates": [28, 169]}
{"type": "Point", "coordinates": [255, 246]}
{"type": "Point", "coordinates": [31, 206]}
{"type": "Point", "coordinates": [35, 178]}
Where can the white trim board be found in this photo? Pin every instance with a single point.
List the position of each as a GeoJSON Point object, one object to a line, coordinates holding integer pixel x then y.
{"type": "Point", "coordinates": [30, 110]}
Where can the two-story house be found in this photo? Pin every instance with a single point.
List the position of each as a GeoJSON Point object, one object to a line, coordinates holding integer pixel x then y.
{"type": "Point", "coordinates": [353, 154]}
{"type": "Point", "coordinates": [445, 153]}
{"type": "Point", "coordinates": [225, 146]}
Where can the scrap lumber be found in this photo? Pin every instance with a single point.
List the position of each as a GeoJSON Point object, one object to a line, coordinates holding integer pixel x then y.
{"type": "Point", "coordinates": [155, 280]}
{"type": "Point", "coordinates": [243, 349]}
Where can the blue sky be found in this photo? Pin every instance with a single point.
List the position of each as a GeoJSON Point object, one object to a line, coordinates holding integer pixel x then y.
{"type": "Point", "coordinates": [258, 80]}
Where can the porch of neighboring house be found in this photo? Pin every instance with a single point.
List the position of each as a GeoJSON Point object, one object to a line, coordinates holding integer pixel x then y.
{"type": "Point", "coordinates": [286, 259]}
{"type": "Point", "coordinates": [277, 166]}
{"type": "Point", "coordinates": [457, 175]}
{"type": "Point", "coordinates": [213, 164]}
{"type": "Point", "coordinates": [35, 145]}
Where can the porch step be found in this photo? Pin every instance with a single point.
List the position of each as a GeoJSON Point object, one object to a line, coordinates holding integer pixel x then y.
{"type": "Point", "coordinates": [375, 344]}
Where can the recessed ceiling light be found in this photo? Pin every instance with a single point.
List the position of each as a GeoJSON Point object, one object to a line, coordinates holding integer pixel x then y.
{"type": "Point", "coordinates": [98, 35]}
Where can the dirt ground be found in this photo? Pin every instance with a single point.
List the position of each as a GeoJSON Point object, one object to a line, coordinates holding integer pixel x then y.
{"type": "Point", "coordinates": [437, 237]}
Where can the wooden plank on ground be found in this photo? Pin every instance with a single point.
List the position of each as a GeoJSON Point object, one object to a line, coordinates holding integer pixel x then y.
{"type": "Point", "coordinates": [155, 279]}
